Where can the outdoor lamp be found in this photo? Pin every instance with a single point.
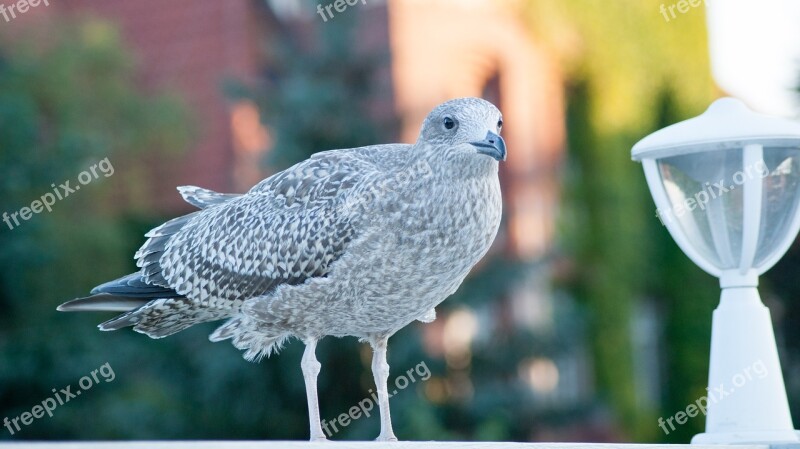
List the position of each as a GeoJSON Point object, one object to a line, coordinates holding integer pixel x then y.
{"type": "Point", "coordinates": [726, 185]}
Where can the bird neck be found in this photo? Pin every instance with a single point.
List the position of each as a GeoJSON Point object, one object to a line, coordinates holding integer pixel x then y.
{"type": "Point", "coordinates": [465, 166]}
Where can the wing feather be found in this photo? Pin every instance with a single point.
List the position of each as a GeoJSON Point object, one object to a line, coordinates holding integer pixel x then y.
{"type": "Point", "coordinates": [285, 230]}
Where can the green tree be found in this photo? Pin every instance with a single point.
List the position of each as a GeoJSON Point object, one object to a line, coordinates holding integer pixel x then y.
{"type": "Point", "coordinates": [67, 100]}
{"type": "Point", "coordinates": [629, 72]}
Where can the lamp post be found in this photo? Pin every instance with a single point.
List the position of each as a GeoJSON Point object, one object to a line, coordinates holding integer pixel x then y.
{"type": "Point", "coordinates": [726, 185]}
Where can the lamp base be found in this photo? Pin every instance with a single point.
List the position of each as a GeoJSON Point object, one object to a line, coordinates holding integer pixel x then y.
{"type": "Point", "coordinates": [746, 400]}
{"type": "Point", "coordinates": [771, 437]}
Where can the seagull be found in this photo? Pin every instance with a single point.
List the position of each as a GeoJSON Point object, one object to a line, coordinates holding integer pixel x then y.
{"type": "Point", "coordinates": [355, 242]}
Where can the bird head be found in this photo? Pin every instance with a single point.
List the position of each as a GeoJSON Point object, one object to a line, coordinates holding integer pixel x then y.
{"type": "Point", "coordinates": [466, 129]}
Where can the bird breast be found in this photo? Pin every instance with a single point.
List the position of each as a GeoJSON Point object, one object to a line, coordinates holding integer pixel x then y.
{"type": "Point", "coordinates": [416, 245]}
{"type": "Point", "coordinates": [433, 234]}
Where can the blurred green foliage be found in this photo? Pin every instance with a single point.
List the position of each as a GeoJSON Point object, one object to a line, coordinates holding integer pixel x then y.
{"type": "Point", "coordinates": [67, 100]}
{"type": "Point", "coordinates": [320, 94]}
{"type": "Point", "coordinates": [629, 73]}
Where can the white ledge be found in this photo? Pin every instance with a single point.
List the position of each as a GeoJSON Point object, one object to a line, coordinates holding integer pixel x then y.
{"type": "Point", "coordinates": [358, 445]}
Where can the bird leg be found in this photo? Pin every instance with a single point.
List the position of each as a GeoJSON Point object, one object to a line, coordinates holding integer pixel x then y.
{"type": "Point", "coordinates": [380, 370]}
{"type": "Point", "coordinates": [311, 368]}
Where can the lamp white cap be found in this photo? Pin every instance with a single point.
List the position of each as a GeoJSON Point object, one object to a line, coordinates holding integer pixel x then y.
{"type": "Point", "coordinates": [726, 124]}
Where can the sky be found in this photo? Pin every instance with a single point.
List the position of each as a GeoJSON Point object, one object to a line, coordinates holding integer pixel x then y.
{"type": "Point", "coordinates": [755, 52]}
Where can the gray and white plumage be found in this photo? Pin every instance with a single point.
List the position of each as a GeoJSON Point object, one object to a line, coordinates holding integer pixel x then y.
{"type": "Point", "coordinates": [357, 242]}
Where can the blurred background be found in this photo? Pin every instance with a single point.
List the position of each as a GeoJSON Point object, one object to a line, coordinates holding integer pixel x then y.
{"type": "Point", "coordinates": [584, 323]}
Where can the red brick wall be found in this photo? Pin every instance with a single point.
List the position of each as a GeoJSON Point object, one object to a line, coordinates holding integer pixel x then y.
{"type": "Point", "coordinates": [191, 46]}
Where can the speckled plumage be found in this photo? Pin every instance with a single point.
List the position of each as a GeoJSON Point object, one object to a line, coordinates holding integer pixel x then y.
{"type": "Point", "coordinates": [357, 242]}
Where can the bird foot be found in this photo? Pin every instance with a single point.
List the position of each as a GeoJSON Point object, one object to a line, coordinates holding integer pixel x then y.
{"type": "Point", "coordinates": [318, 439]}
{"type": "Point", "coordinates": [386, 438]}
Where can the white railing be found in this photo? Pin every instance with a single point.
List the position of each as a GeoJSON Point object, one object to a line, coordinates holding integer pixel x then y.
{"type": "Point", "coordinates": [358, 445]}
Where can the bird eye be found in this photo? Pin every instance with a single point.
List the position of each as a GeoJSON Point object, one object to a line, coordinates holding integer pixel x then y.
{"type": "Point", "coordinates": [500, 124]}
{"type": "Point", "coordinates": [449, 123]}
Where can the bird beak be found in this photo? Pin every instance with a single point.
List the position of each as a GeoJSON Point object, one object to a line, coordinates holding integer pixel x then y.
{"type": "Point", "coordinates": [492, 145]}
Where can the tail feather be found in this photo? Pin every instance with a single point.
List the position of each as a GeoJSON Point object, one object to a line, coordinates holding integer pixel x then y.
{"type": "Point", "coordinates": [103, 302]}
{"type": "Point", "coordinates": [134, 285]}
{"type": "Point", "coordinates": [164, 316]}
{"type": "Point", "coordinates": [150, 309]}
{"type": "Point", "coordinates": [227, 330]}
{"type": "Point", "coordinates": [131, 318]}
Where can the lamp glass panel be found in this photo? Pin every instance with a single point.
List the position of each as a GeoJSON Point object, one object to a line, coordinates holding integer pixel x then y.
{"type": "Point", "coordinates": [780, 170]}
{"type": "Point", "coordinates": [704, 191]}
